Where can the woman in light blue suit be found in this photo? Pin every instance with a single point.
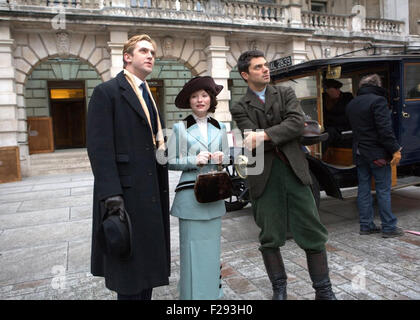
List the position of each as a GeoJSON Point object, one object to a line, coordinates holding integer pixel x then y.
{"type": "Point", "coordinates": [197, 145]}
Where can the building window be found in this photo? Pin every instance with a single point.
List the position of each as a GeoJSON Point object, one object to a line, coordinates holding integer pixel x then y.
{"type": "Point", "coordinates": [319, 6]}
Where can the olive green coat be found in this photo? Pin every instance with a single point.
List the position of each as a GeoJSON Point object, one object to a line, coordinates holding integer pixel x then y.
{"type": "Point", "coordinates": [283, 120]}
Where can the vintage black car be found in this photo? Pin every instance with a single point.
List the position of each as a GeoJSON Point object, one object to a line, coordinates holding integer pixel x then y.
{"type": "Point", "coordinates": [332, 169]}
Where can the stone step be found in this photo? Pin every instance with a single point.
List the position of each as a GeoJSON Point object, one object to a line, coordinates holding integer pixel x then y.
{"type": "Point", "coordinates": [53, 161]}
{"type": "Point", "coordinates": [59, 162]}
{"type": "Point", "coordinates": [60, 154]}
{"type": "Point", "coordinates": [40, 171]}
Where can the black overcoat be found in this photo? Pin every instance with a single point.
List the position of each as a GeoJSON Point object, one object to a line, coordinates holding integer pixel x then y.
{"type": "Point", "coordinates": [121, 153]}
{"type": "Point", "coordinates": [370, 120]}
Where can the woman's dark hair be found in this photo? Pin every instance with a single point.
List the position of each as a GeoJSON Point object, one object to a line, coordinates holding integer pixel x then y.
{"type": "Point", "coordinates": [213, 102]}
{"type": "Point", "coordinates": [245, 59]}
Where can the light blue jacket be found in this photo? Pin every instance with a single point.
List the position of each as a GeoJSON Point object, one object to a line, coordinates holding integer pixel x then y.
{"type": "Point", "coordinates": [185, 143]}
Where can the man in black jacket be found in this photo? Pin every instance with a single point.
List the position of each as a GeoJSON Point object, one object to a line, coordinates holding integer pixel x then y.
{"type": "Point", "coordinates": [334, 113]}
{"type": "Point", "coordinates": [375, 148]}
{"type": "Point", "coordinates": [123, 132]}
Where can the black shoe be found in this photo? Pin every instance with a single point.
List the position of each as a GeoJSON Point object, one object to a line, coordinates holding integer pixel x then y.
{"type": "Point", "coordinates": [370, 231]}
{"type": "Point", "coordinates": [398, 232]}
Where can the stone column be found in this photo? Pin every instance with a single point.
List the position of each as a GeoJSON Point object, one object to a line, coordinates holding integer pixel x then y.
{"type": "Point", "coordinates": [116, 45]}
{"type": "Point", "coordinates": [9, 115]}
{"type": "Point", "coordinates": [297, 49]}
{"type": "Point", "coordinates": [217, 68]}
{"type": "Point", "coordinates": [294, 14]}
{"type": "Point", "coordinates": [8, 100]}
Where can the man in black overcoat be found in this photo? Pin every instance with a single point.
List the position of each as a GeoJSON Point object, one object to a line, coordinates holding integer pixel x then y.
{"type": "Point", "coordinates": [123, 132]}
{"type": "Point", "coordinates": [375, 150]}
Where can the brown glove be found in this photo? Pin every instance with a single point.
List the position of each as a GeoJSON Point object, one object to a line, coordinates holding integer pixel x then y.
{"type": "Point", "coordinates": [396, 157]}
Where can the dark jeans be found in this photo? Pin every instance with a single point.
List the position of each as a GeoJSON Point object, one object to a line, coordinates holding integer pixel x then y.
{"type": "Point", "coordinates": [382, 175]}
{"type": "Point", "coordinates": [146, 294]}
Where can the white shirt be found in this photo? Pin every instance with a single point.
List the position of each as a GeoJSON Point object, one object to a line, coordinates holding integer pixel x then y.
{"type": "Point", "coordinates": [202, 125]}
{"type": "Point", "coordinates": [139, 82]}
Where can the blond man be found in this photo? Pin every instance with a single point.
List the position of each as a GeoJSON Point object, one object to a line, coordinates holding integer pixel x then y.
{"type": "Point", "coordinates": [123, 130]}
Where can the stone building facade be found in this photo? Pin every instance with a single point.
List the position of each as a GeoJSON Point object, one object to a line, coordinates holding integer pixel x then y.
{"type": "Point", "coordinates": [76, 44]}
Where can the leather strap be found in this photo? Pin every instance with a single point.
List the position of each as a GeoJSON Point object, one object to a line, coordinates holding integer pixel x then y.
{"type": "Point", "coordinates": [281, 156]}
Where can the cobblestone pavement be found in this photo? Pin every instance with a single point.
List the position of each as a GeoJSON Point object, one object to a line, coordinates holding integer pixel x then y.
{"type": "Point", "coordinates": [45, 225]}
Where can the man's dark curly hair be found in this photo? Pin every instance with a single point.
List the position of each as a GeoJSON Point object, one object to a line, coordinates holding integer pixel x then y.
{"type": "Point", "coordinates": [245, 59]}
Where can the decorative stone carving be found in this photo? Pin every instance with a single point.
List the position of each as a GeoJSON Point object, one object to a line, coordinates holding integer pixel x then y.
{"type": "Point", "coordinates": [255, 45]}
{"type": "Point", "coordinates": [63, 43]}
{"type": "Point", "coordinates": [327, 52]}
{"type": "Point", "coordinates": [168, 46]}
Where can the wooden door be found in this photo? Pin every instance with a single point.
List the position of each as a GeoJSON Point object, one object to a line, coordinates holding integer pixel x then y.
{"type": "Point", "coordinates": [40, 135]}
{"type": "Point", "coordinates": [9, 164]}
{"type": "Point", "coordinates": [69, 123]}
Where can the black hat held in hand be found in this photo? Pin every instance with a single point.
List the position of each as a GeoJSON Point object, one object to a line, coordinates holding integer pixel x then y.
{"type": "Point", "coordinates": [117, 233]}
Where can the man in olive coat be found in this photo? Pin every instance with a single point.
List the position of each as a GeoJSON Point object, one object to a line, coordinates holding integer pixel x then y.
{"type": "Point", "coordinates": [281, 195]}
{"type": "Point", "coordinates": [122, 136]}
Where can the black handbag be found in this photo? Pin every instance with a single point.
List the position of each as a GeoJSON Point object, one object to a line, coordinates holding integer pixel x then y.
{"type": "Point", "coordinates": [213, 186]}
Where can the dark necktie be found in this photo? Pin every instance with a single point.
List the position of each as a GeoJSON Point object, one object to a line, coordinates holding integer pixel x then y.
{"type": "Point", "coordinates": [150, 107]}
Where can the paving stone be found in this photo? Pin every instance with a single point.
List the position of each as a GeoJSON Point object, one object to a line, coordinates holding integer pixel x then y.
{"type": "Point", "coordinates": [387, 293]}
{"type": "Point", "coordinates": [34, 218]}
{"type": "Point", "coordinates": [81, 191]}
{"type": "Point", "coordinates": [34, 195]}
{"type": "Point", "coordinates": [301, 287]}
{"type": "Point", "coordinates": [31, 263]}
{"type": "Point", "coordinates": [228, 271]}
{"type": "Point", "coordinates": [360, 294]}
{"type": "Point", "coordinates": [59, 202]}
{"type": "Point", "coordinates": [12, 190]}
{"type": "Point", "coordinates": [64, 185]}
{"type": "Point", "coordinates": [79, 256]}
{"type": "Point", "coordinates": [411, 294]}
{"type": "Point", "coordinates": [240, 285]}
{"type": "Point", "coordinates": [80, 213]}
{"type": "Point", "coordinates": [8, 208]}
{"type": "Point", "coordinates": [415, 285]}
{"type": "Point", "coordinates": [251, 272]}
{"type": "Point", "coordinates": [44, 234]}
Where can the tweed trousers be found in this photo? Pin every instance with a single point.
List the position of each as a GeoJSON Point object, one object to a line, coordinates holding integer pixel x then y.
{"type": "Point", "coordinates": [287, 202]}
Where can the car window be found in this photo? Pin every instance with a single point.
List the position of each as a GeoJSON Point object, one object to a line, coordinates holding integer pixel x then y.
{"type": "Point", "coordinates": [412, 81]}
{"type": "Point", "coordinates": [306, 92]}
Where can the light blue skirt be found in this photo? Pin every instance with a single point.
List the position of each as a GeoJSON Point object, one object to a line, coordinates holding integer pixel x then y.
{"type": "Point", "coordinates": [199, 242]}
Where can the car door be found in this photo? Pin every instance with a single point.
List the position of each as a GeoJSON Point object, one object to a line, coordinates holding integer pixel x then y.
{"type": "Point", "coordinates": [410, 113]}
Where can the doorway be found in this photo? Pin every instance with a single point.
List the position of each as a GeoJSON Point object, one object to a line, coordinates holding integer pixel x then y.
{"type": "Point", "coordinates": [156, 88]}
{"type": "Point", "coordinates": [68, 112]}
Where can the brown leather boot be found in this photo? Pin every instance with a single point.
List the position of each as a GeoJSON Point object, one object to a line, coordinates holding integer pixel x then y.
{"type": "Point", "coordinates": [275, 269]}
{"type": "Point", "coordinates": [318, 271]}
